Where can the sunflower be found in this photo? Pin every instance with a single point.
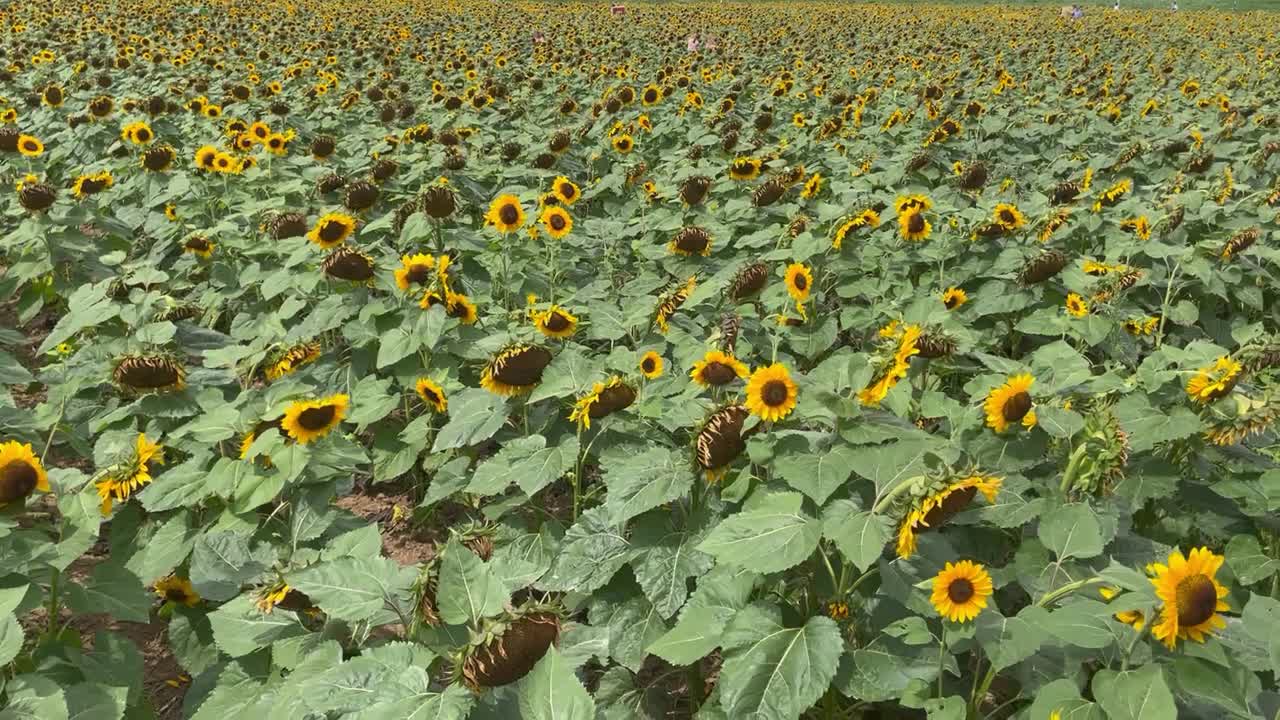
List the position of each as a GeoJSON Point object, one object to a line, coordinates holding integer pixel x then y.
{"type": "Point", "coordinates": [913, 226]}
{"type": "Point", "coordinates": [960, 591]}
{"type": "Point", "coordinates": [260, 131]}
{"type": "Point", "coordinates": [138, 133]}
{"type": "Point", "coordinates": [691, 240]}
{"type": "Point", "coordinates": [556, 221]}
{"type": "Point", "coordinates": [935, 509]}
{"type": "Point", "coordinates": [347, 263]}
{"type": "Point", "coordinates": [1128, 617]}
{"type": "Point", "coordinates": [226, 163]}
{"type": "Point", "coordinates": [415, 269]}
{"type": "Point", "coordinates": [1139, 227]}
{"type": "Point", "coordinates": [603, 400]}
{"type": "Point", "coordinates": [565, 190]}
{"type": "Point", "coordinates": [308, 420]}
{"type": "Point", "coordinates": [771, 394]}
{"type": "Point", "coordinates": [515, 370]}
{"type": "Point", "coordinates": [198, 245]}
{"type": "Point", "coordinates": [1008, 217]}
{"type": "Point", "coordinates": [555, 322]}
{"type": "Point", "coordinates": [907, 203]}
{"type": "Point", "coordinates": [799, 280]}
{"type": "Point", "coordinates": [720, 440]}
{"type": "Point", "coordinates": [623, 143]}
{"type": "Point", "coordinates": [954, 297]}
{"type": "Point", "coordinates": [867, 218]}
{"type": "Point", "coordinates": [1011, 403]}
{"type": "Point", "coordinates": [1113, 194]}
{"type": "Point", "coordinates": [505, 214]}
{"type": "Point", "coordinates": [672, 302]}
{"type": "Point", "coordinates": [331, 229]}
{"type": "Point", "coordinates": [1191, 596]}
{"type": "Point", "coordinates": [651, 365]}
{"type": "Point", "coordinates": [812, 186]}
{"type": "Point", "coordinates": [279, 594]}
{"type": "Point", "coordinates": [177, 590]}
{"type": "Point", "coordinates": [717, 368]}
{"type": "Point", "coordinates": [246, 442]}
{"type": "Point", "coordinates": [87, 185]}
{"type": "Point", "coordinates": [432, 394]}
{"type": "Point", "coordinates": [205, 157]}
{"type": "Point", "coordinates": [1076, 305]}
{"type": "Point", "coordinates": [1214, 381]}
{"type": "Point", "coordinates": [21, 472]}
{"type": "Point", "coordinates": [897, 366]}
{"type": "Point", "coordinates": [745, 168]}
{"type": "Point", "coordinates": [119, 483]}
{"type": "Point", "coordinates": [30, 146]}
{"type": "Point", "coordinates": [158, 159]}
{"type": "Point", "coordinates": [149, 373]}
{"type": "Point", "coordinates": [459, 306]}
{"type": "Point", "coordinates": [289, 361]}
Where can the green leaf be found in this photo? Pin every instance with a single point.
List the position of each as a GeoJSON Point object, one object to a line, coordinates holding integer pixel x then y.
{"type": "Point", "coordinates": [1139, 694]}
{"type": "Point", "coordinates": [355, 588]}
{"type": "Point", "coordinates": [12, 372]}
{"type": "Point", "coordinates": [420, 702]}
{"type": "Point", "coordinates": [87, 307]}
{"type": "Point", "coordinates": [772, 537]}
{"type": "Point", "coordinates": [953, 707]}
{"type": "Point", "coordinates": [860, 535]}
{"type": "Point", "coordinates": [191, 641]}
{"type": "Point", "coordinates": [34, 697]}
{"type": "Point", "coordinates": [666, 559]}
{"type": "Point", "coordinates": [551, 691]}
{"type": "Point", "coordinates": [396, 344]}
{"type": "Point", "coordinates": [474, 416]}
{"type": "Point", "coordinates": [1230, 688]}
{"type": "Point", "coordinates": [1063, 697]}
{"type": "Point", "coordinates": [220, 423]}
{"type": "Point", "coordinates": [1072, 531]}
{"type": "Point", "coordinates": [718, 598]}
{"type": "Point", "coordinates": [1009, 641]}
{"type": "Point", "coordinates": [633, 625]}
{"type": "Point", "coordinates": [467, 591]}
{"type": "Point", "coordinates": [372, 399]}
{"type": "Point", "coordinates": [113, 590]}
{"type": "Point", "coordinates": [96, 701]}
{"type": "Point", "coordinates": [181, 486]}
{"type": "Point", "coordinates": [1149, 426]}
{"type": "Point", "coordinates": [569, 373]}
{"type": "Point", "coordinates": [1057, 422]}
{"type": "Point", "coordinates": [11, 637]}
{"type": "Point", "coordinates": [222, 561]}
{"type": "Point", "coordinates": [889, 464]}
{"type": "Point", "coordinates": [165, 550]}
{"type": "Point", "coordinates": [591, 552]}
{"type": "Point", "coordinates": [1248, 562]}
{"type": "Point", "coordinates": [817, 474]}
{"type": "Point", "coordinates": [240, 628]}
{"type": "Point", "coordinates": [772, 672]}
{"type": "Point", "coordinates": [638, 483]}
{"type": "Point", "coordinates": [496, 474]}
{"type": "Point", "coordinates": [1083, 623]}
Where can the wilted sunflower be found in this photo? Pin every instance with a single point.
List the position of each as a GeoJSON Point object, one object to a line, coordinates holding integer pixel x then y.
{"type": "Point", "coordinates": [672, 302]}
{"type": "Point", "coordinates": [120, 482]}
{"type": "Point", "coordinates": [149, 373]}
{"type": "Point", "coordinates": [799, 280]}
{"type": "Point", "coordinates": [565, 190]}
{"type": "Point", "coordinates": [306, 421]}
{"type": "Point", "coordinates": [694, 189]}
{"type": "Point", "coordinates": [954, 297]}
{"type": "Point", "coordinates": [331, 229]}
{"type": "Point", "coordinates": [771, 394]}
{"type": "Point", "coordinates": [651, 365]}
{"type": "Point", "coordinates": [556, 221]}
{"type": "Point", "coordinates": [177, 590]}
{"type": "Point", "coordinates": [348, 263]}
{"type": "Point", "coordinates": [1008, 217]}
{"type": "Point", "coordinates": [1076, 305]}
{"type": "Point", "coordinates": [1042, 267]}
{"type": "Point", "coordinates": [21, 472]}
{"type": "Point", "coordinates": [896, 367]}
{"type": "Point", "coordinates": [717, 368]}
{"type": "Point", "coordinates": [1239, 242]}
{"type": "Point", "coordinates": [1192, 597]}
{"type": "Point", "coordinates": [960, 591]}
{"type": "Point", "coordinates": [198, 245]}
{"type": "Point", "coordinates": [750, 280]}
{"type": "Point", "coordinates": [158, 159]}
{"type": "Point", "coordinates": [555, 322]}
{"type": "Point", "coordinates": [1011, 403]}
{"type": "Point", "coordinates": [604, 399]}
{"type": "Point", "coordinates": [745, 168]}
{"type": "Point", "coordinates": [289, 361]}
{"type": "Point", "coordinates": [691, 240]}
{"type": "Point", "coordinates": [933, 510]}
{"type": "Point", "coordinates": [720, 440]}
{"type": "Point", "coordinates": [432, 394]}
{"type": "Point", "coordinates": [506, 214]}
{"type": "Point", "coordinates": [439, 201]}
{"type": "Point", "coordinates": [868, 218]}
{"type": "Point", "coordinates": [1113, 194]}
{"type": "Point", "coordinates": [1214, 381]}
{"type": "Point", "coordinates": [913, 226]}
{"type": "Point", "coordinates": [515, 370]}
{"type": "Point", "coordinates": [1139, 226]}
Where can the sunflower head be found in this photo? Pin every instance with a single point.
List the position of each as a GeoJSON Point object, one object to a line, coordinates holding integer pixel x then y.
{"type": "Point", "coordinates": [21, 472]}
{"type": "Point", "coordinates": [1214, 381]}
{"type": "Point", "coordinates": [799, 280]}
{"type": "Point", "coordinates": [749, 281]}
{"type": "Point", "coordinates": [717, 368]}
{"type": "Point", "coordinates": [954, 297]}
{"type": "Point", "coordinates": [177, 590]}
{"type": "Point", "coordinates": [691, 240]}
{"type": "Point", "coordinates": [555, 322]}
{"type": "Point", "coordinates": [306, 421]}
{"type": "Point", "coordinates": [416, 270]}
{"type": "Point", "coordinates": [720, 440]}
{"type": "Point", "coordinates": [149, 373]}
{"type": "Point", "coordinates": [1191, 596]}
{"type": "Point", "coordinates": [604, 399]}
{"type": "Point", "coordinates": [331, 230]}
{"type": "Point", "coordinates": [913, 226]}
{"type": "Point", "coordinates": [348, 263]}
{"type": "Point", "coordinates": [960, 591]}
{"type": "Point", "coordinates": [515, 370]}
{"type": "Point", "coordinates": [694, 189]}
{"type": "Point", "coordinates": [771, 393]}
{"type": "Point", "coordinates": [651, 365]}
{"type": "Point", "coordinates": [432, 394]}
{"type": "Point", "coordinates": [1011, 403]}
{"type": "Point", "coordinates": [556, 221]}
{"type": "Point", "coordinates": [506, 214]}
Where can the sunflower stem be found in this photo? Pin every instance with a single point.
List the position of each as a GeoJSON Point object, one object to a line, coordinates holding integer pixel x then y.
{"type": "Point", "coordinates": [863, 578]}
{"type": "Point", "coordinates": [1073, 468]}
{"type": "Point", "coordinates": [1164, 305]}
{"type": "Point", "coordinates": [1055, 595]}
{"type": "Point", "coordinates": [52, 621]}
{"type": "Point", "coordinates": [48, 443]}
{"type": "Point", "coordinates": [897, 490]}
{"type": "Point", "coordinates": [1128, 652]}
{"type": "Point", "coordinates": [976, 700]}
{"type": "Point", "coordinates": [942, 657]}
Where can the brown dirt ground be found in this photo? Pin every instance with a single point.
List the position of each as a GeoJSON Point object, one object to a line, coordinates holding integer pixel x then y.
{"type": "Point", "coordinates": [401, 541]}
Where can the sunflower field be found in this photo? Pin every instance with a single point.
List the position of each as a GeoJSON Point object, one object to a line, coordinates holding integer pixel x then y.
{"type": "Point", "coordinates": [554, 361]}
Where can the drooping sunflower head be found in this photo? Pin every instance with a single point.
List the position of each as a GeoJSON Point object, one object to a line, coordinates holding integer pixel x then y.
{"type": "Point", "coordinates": [461, 307]}
{"type": "Point", "coordinates": [907, 203]}
{"type": "Point", "coordinates": [149, 373]}
{"type": "Point", "coordinates": [361, 195]}
{"type": "Point", "coordinates": [416, 270]}
{"type": "Point", "coordinates": [507, 648]}
{"type": "Point", "coordinates": [332, 229]}
{"type": "Point", "coordinates": [604, 399]}
{"type": "Point", "coordinates": [954, 297]}
{"type": "Point", "coordinates": [439, 201]}
{"type": "Point", "coordinates": [717, 368]}
{"type": "Point", "coordinates": [1191, 596]}
{"type": "Point", "coordinates": [691, 240]}
{"type": "Point", "coordinates": [21, 472]}
{"type": "Point", "coordinates": [1214, 381]}
{"type": "Point", "coordinates": [694, 189]}
{"type": "Point", "coordinates": [769, 192]}
{"type": "Point", "coordinates": [555, 322]}
{"type": "Point", "coordinates": [506, 214]}
{"type": "Point", "coordinates": [198, 245]}
{"type": "Point", "coordinates": [651, 365]}
{"type": "Point", "coordinates": [745, 168]}
{"type": "Point", "coordinates": [515, 370]}
{"type": "Point", "coordinates": [672, 301]}
{"type": "Point", "coordinates": [306, 421]}
{"type": "Point", "coordinates": [177, 590]}
{"type": "Point", "coordinates": [289, 360]}
{"type": "Point", "coordinates": [960, 591]}
{"type": "Point", "coordinates": [92, 184]}
{"type": "Point", "coordinates": [936, 501]}
{"type": "Point", "coordinates": [1011, 403]}
{"type": "Point", "coordinates": [1042, 267]}
{"type": "Point", "coordinates": [432, 394]}
{"type": "Point", "coordinates": [720, 440]}
{"type": "Point", "coordinates": [771, 393]}
{"type": "Point", "coordinates": [799, 280]}
{"type": "Point", "coordinates": [348, 263]}
{"type": "Point", "coordinates": [158, 158]}
{"type": "Point", "coordinates": [750, 280]}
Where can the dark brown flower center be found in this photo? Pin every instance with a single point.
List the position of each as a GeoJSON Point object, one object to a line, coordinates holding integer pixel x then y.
{"type": "Point", "coordinates": [521, 368]}
{"type": "Point", "coordinates": [147, 373]}
{"type": "Point", "coordinates": [801, 282]}
{"type": "Point", "coordinates": [567, 191]}
{"type": "Point", "coordinates": [17, 479]}
{"type": "Point", "coordinates": [1016, 407]}
{"type": "Point", "coordinates": [556, 222]}
{"type": "Point", "coordinates": [418, 274]}
{"type": "Point", "coordinates": [952, 301]}
{"type": "Point", "coordinates": [557, 322]}
{"type": "Point", "coordinates": [717, 373]}
{"type": "Point", "coordinates": [177, 595]}
{"type": "Point", "coordinates": [30, 146]}
{"type": "Point", "coordinates": [332, 231]}
{"type": "Point", "coordinates": [648, 365]}
{"type": "Point", "coordinates": [960, 591]}
{"type": "Point", "coordinates": [1197, 598]}
{"type": "Point", "coordinates": [916, 223]}
{"type": "Point", "coordinates": [317, 418]}
{"type": "Point", "coordinates": [774, 393]}
{"type": "Point", "coordinates": [939, 514]}
{"type": "Point", "coordinates": [1006, 217]}
{"type": "Point", "coordinates": [508, 214]}
{"type": "Point", "coordinates": [431, 396]}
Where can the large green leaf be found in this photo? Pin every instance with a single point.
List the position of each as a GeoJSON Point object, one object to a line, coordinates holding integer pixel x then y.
{"type": "Point", "coordinates": [818, 474]}
{"type": "Point", "coordinates": [551, 692]}
{"type": "Point", "coordinates": [665, 561]}
{"type": "Point", "coordinates": [1072, 531]}
{"type": "Point", "coordinates": [771, 537]}
{"type": "Point", "coordinates": [860, 535]}
{"type": "Point", "coordinates": [468, 590]}
{"type": "Point", "coordinates": [474, 416]}
{"type": "Point", "coordinates": [642, 482]}
{"type": "Point", "coordinates": [1139, 694]}
{"type": "Point", "coordinates": [355, 588]}
{"type": "Point", "coordinates": [718, 598]}
{"type": "Point", "coordinates": [592, 551]}
{"type": "Point", "coordinates": [240, 628]}
{"type": "Point", "coordinates": [774, 672]}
